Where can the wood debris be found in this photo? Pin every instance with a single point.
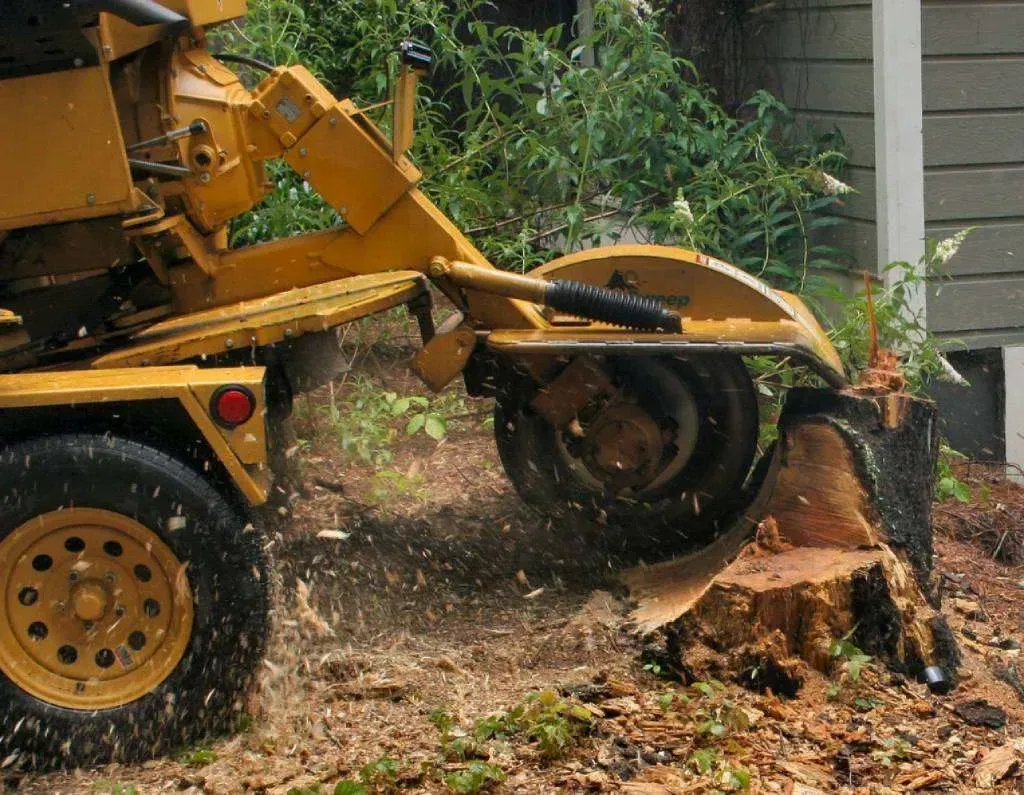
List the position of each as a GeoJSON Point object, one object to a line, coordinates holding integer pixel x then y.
{"type": "Point", "coordinates": [996, 765]}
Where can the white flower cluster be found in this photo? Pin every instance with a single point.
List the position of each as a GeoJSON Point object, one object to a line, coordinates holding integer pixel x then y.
{"type": "Point", "coordinates": [641, 7]}
{"type": "Point", "coordinates": [832, 186]}
{"type": "Point", "coordinates": [681, 210]}
{"type": "Point", "coordinates": [946, 249]}
{"type": "Point", "coordinates": [950, 373]}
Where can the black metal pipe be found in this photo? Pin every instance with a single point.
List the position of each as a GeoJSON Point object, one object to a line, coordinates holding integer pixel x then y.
{"type": "Point", "coordinates": [138, 12]}
{"type": "Point", "coordinates": [255, 63]}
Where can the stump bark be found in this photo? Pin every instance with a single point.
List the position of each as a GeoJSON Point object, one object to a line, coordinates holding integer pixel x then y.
{"type": "Point", "coordinates": [837, 544]}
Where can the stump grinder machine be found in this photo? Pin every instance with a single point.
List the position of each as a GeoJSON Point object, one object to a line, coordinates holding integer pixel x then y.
{"type": "Point", "coordinates": [144, 358]}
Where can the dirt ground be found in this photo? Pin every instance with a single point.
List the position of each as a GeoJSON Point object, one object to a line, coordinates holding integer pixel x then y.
{"type": "Point", "coordinates": [435, 588]}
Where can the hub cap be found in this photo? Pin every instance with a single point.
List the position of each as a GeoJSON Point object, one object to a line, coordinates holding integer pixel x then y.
{"type": "Point", "coordinates": [625, 446]}
{"type": "Point", "coordinates": [634, 445]}
{"type": "Point", "coordinates": [97, 609]}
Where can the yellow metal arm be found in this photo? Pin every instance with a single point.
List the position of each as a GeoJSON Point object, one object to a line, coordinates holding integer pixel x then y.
{"type": "Point", "coordinates": [390, 225]}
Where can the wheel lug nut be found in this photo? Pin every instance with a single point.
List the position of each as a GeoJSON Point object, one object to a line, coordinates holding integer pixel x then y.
{"type": "Point", "coordinates": [110, 576]}
{"type": "Point", "coordinates": [59, 607]}
{"type": "Point", "coordinates": [73, 576]}
{"type": "Point", "coordinates": [89, 625]}
{"type": "Point", "coordinates": [119, 611]}
{"type": "Point", "coordinates": [80, 687]}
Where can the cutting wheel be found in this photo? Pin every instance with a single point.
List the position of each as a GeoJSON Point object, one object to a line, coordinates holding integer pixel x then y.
{"type": "Point", "coordinates": [673, 444]}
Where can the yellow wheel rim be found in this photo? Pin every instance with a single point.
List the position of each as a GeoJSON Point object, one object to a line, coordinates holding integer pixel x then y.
{"type": "Point", "coordinates": [97, 609]}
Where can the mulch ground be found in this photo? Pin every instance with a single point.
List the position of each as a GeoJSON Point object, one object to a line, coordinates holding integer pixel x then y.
{"type": "Point", "coordinates": [450, 594]}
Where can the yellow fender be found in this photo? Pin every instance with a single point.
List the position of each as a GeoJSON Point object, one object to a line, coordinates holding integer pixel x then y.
{"type": "Point", "coordinates": [723, 309]}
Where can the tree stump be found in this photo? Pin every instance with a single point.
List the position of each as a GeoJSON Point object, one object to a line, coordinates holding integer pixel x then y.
{"type": "Point", "coordinates": [837, 544]}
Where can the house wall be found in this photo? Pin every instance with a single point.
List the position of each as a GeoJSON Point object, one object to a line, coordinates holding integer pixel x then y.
{"type": "Point", "coordinates": [973, 74]}
{"type": "Point", "coordinates": [817, 56]}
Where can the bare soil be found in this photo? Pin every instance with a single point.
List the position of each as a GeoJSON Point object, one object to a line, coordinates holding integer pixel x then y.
{"type": "Point", "coordinates": [451, 593]}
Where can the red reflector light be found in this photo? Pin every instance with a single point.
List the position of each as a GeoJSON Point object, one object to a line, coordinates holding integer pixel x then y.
{"type": "Point", "coordinates": [232, 405]}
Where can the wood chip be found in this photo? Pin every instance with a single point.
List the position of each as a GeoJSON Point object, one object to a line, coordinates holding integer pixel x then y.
{"type": "Point", "coordinates": [337, 535]}
{"type": "Point", "coordinates": [620, 706]}
{"type": "Point", "coordinates": [369, 688]}
{"type": "Point", "coordinates": [311, 623]}
{"type": "Point", "coordinates": [806, 773]}
{"type": "Point", "coordinates": [796, 788]}
{"type": "Point", "coordinates": [969, 608]}
{"type": "Point", "coordinates": [926, 780]}
{"type": "Point", "coordinates": [998, 764]}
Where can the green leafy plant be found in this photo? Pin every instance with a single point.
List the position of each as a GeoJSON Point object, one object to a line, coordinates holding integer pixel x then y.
{"type": "Point", "coordinates": [379, 773]}
{"type": "Point", "coordinates": [442, 721]}
{"type": "Point", "coordinates": [707, 761]}
{"type": "Point", "coordinates": [708, 689]}
{"type": "Point", "coordinates": [716, 714]}
{"type": "Point", "coordinates": [704, 760]}
{"type": "Point", "coordinates": [197, 756]}
{"type": "Point", "coordinates": [894, 749]}
{"type": "Point", "coordinates": [343, 787]}
{"type": "Point", "coordinates": [852, 661]}
{"type": "Point", "coordinates": [735, 778]}
{"type": "Point", "coordinates": [107, 787]}
{"type": "Point", "coordinates": [349, 787]}
{"type": "Point", "coordinates": [367, 421]}
{"type": "Point", "coordinates": [544, 718]}
{"type": "Point", "coordinates": [947, 485]}
{"type": "Point", "coordinates": [499, 726]}
{"type": "Point", "coordinates": [477, 777]}
{"type": "Point", "coordinates": [416, 408]}
{"type": "Point", "coordinates": [456, 744]}
{"type": "Point", "coordinates": [657, 669]}
{"type": "Point", "coordinates": [530, 147]}
{"type": "Point", "coordinates": [899, 319]}
{"type": "Point", "coordinates": [853, 658]}
{"type": "Point", "coordinates": [670, 697]}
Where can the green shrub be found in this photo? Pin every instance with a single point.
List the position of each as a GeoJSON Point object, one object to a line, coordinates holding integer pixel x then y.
{"type": "Point", "coordinates": [530, 149]}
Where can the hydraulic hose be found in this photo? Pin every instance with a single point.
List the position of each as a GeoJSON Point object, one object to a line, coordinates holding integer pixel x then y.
{"type": "Point", "coordinates": [572, 297]}
{"type": "Point", "coordinates": [247, 60]}
{"type": "Point", "coordinates": [610, 306]}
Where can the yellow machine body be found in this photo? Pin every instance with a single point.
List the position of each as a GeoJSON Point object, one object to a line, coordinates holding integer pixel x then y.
{"type": "Point", "coordinates": [106, 180]}
{"type": "Point", "coordinates": [72, 114]}
{"type": "Point", "coordinates": [241, 450]}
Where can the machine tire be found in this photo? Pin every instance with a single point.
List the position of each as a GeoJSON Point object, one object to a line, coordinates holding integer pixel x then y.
{"type": "Point", "coordinates": [717, 468]}
{"type": "Point", "coordinates": [227, 584]}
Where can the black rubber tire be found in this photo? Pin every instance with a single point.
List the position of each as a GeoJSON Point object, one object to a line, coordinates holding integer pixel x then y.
{"type": "Point", "coordinates": [227, 572]}
{"type": "Point", "coordinates": [717, 468]}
